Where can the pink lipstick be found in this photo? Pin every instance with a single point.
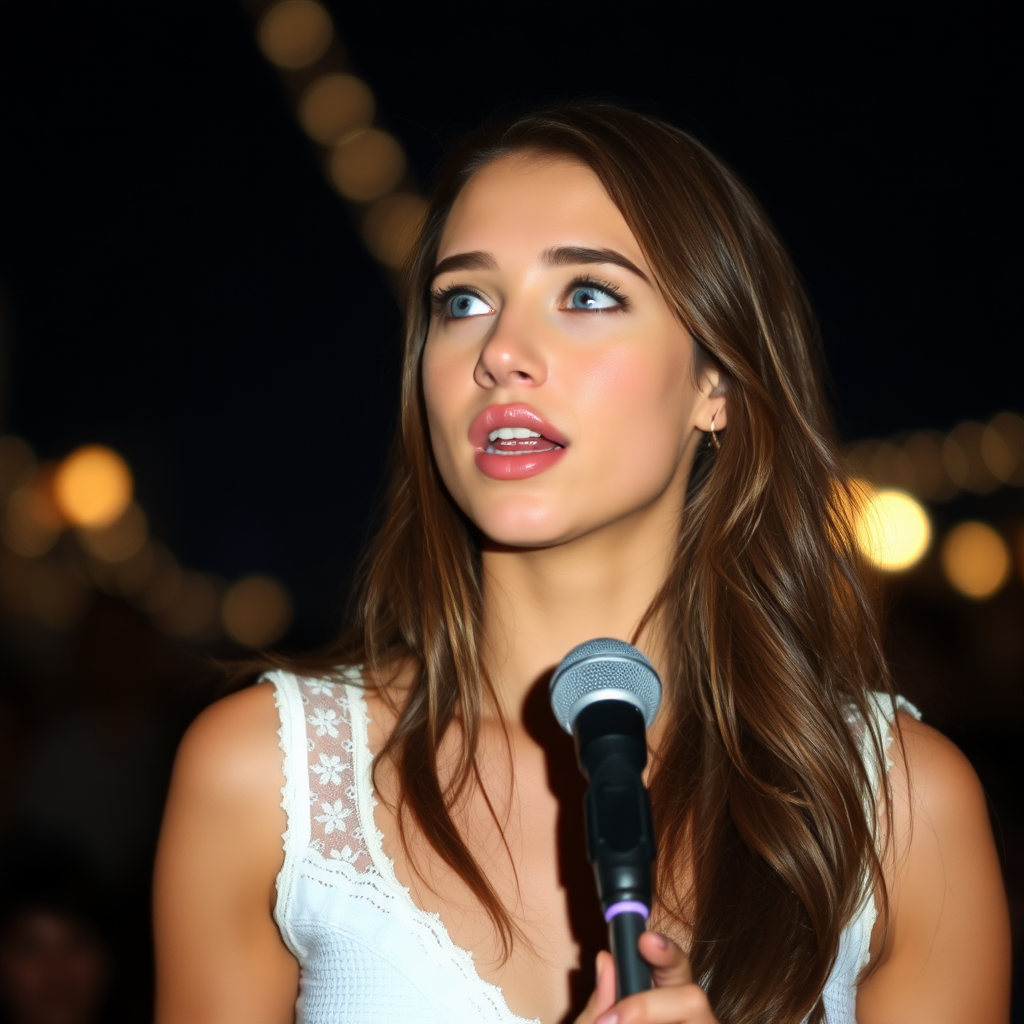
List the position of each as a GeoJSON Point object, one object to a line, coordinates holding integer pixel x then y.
{"type": "Point", "coordinates": [512, 442]}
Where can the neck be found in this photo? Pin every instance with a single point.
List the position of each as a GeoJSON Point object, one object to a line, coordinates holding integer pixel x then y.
{"type": "Point", "coordinates": [539, 603]}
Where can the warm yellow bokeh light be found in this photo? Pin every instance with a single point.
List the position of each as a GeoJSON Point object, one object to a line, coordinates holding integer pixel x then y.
{"type": "Point", "coordinates": [893, 530]}
{"type": "Point", "coordinates": [367, 165]}
{"type": "Point", "coordinates": [391, 225]}
{"type": "Point", "coordinates": [118, 540]}
{"type": "Point", "coordinates": [976, 560]}
{"type": "Point", "coordinates": [295, 33]}
{"type": "Point", "coordinates": [256, 611]}
{"type": "Point", "coordinates": [334, 106]}
{"type": "Point", "coordinates": [92, 486]}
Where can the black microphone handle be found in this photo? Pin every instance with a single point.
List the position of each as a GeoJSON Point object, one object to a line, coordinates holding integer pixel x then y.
{"type": "Point", "coordinates": [632, 972]}
{"type": "Point", "coordinates": [611, 746]}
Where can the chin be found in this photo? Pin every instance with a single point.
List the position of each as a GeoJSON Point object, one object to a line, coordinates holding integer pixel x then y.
{"type": "Point", "coordinates": [524, 526]}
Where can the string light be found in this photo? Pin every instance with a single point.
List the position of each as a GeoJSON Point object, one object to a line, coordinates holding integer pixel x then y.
{"type": "Point", "coordinates": [892, 529]}
{"type": "Point", "coordinates": [367, 165]}
{"type": "Point", "coordinates": [976, 560]}
{"type": "Point", "coordinates": [391, 225]}
{"type": "Point", "coordinates": [1009, 428]}
{"type": "Point", "coordinates": [192, 612]}
{"type": "Point", "coordinates": [973, 456]}
{"type": "Point", "coordinates": [334, 106]}
{"type": "Point", "coordinates": [256, 611]}
{"type": "Point", "coordinates": [92, 486]}
{"type": "Point", "coordinates": [17, 464]}
{"type": "Point", "coordinates": [118, 540]}
{"type": "Point", "coordinates": [295, 34]}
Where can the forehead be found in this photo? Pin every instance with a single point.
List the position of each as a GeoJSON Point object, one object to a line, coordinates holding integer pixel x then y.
{"type": "Point", "coordinates": [524, 202]}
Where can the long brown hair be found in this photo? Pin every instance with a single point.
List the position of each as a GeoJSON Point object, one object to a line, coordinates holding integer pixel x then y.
{"type": "Point", "coordinates": [773, 648]}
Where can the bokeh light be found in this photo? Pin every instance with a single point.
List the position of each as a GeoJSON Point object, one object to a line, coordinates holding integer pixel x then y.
{"type": "Point", "coordinates": [334, 106]}
{"type": "Point", "coordinates": [366, 165]}
{"type": "Point", "coordinates": [17, 464]}
{"type": "Point", "coordinates": [135, 573]}
{"type": "Point", "coordinates": [192, 611]}
{"type": "Point", "coordinates": [256, 611]}
{"type": "Point", "coordinates": [976, 560]}
{"type": "Point", "coordinates": [893, 530]}
{"type": "Point", "coordinates": [32, 521]}
{"type": "Point", "coordinates": [118, 540]}
{"type": "Point", "coordinates": [295, 34]}
{"type": "Point", "coordinates": [164, 583]}
{"type": "Point", "coordinates": [1005, 459]}
{"type": "Point", "coordinates": [964, 447]}
{"type": "Point", "coordinates": [391, 225]}
{"type": "Point", "coordinates": [92, 486]}
{"type": "Point", "coordinates": [924, 450]}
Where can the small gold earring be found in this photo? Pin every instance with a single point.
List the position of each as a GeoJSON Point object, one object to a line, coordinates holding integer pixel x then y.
{"type": "Point", "coordinates": [714, 436]}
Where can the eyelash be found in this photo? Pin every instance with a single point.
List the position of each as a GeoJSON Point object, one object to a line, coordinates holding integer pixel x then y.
{"type": "Point", "coordinates": [604, 286]}
{"type": "Point", "coordinates": [439, 299]}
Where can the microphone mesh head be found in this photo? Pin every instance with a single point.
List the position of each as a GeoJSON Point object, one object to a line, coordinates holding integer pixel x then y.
{"type": "Point", "coordinates": [599, 669]}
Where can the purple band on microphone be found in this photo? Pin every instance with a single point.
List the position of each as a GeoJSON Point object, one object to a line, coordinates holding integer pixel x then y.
{"type": "Point", "coordinates": [627, 907]}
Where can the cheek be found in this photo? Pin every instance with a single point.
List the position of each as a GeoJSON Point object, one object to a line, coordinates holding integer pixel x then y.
{"type": "Point", "coordinates": [442, 400]}
{"type": "Point", "coordinates": [647, 393]}
{"type": "Point", "coordinates": [438, 380]}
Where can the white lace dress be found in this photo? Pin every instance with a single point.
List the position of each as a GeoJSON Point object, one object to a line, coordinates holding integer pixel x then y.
{"type": "Point", "coordinates": [367, 953]}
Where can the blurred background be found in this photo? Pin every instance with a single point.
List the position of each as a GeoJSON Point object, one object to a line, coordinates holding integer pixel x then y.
{"type": "Point", "coordinates": [203, 203]}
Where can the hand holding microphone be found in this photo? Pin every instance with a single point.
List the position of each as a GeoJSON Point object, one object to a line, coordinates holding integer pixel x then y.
{"type": "Point", "coordinates": [606, 693]}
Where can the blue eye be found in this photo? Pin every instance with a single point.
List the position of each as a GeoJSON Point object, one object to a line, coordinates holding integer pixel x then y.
{"type": "Point", "coordinates": [591, 296]}
{"type": "Point", "coordinates": [463, 304]}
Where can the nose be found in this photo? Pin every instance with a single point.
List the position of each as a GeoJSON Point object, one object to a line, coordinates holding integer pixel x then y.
{"type": "Point", "coordinates": [509, 359]}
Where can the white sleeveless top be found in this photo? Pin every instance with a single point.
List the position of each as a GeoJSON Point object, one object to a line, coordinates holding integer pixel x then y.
{"type": "Point", "coordinates": [367, 953]}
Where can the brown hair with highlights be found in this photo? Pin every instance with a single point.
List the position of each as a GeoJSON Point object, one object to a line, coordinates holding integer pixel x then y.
{"type": "Point", "coordinates": [759, 789]}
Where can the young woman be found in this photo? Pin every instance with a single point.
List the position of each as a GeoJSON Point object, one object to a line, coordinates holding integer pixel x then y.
{"type": "Point", "coordinates": [612, 425]}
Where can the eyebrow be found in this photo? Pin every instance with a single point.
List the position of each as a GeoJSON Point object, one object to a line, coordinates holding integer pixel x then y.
{"type": "Point", "coordinates": [573, 255]}
{"type": "Point", "coordinates": [558, 256]}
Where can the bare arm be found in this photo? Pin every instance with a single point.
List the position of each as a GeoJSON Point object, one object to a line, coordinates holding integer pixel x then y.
{"type": "Point", "coordinates": [947, 956]}
{"type": "Point", "coordinates": [220, 958]}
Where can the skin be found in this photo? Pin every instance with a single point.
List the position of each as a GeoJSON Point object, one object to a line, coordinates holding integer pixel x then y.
{"type": "Point", "coordinates": [576, 552]}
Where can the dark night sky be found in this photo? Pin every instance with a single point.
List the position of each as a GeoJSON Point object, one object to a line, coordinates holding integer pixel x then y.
{"type": "Point", "coordinates": [181, 283]}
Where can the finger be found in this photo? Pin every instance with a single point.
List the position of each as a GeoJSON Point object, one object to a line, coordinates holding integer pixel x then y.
{"type": "Point", "coordinates": [605, 990]}
{"type": "Point", "coordinates": [669, 964]}
{"type": "Point", "coordinates": [680, 1004]}
{"type": "Point", "coordinates": [603, 997]}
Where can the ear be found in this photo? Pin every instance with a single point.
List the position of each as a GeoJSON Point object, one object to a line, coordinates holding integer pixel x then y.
{"type": "Point", "coordinates": [712, 408]}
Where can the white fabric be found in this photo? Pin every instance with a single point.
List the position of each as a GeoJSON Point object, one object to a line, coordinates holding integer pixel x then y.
{"type": "Point", "coordinates": [367, 953]}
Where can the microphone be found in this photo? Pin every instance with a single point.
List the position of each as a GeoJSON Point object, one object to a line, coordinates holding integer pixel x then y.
{"type": "Point", "coordinates": [606, 693]}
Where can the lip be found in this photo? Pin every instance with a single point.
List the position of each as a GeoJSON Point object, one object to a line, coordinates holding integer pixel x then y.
{"type": "Point", "coordinates": [514, 467]}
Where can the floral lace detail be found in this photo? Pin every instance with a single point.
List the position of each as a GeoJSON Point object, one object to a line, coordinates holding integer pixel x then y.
{"type": "Point", "coordinates": [345, 848]}
{"type": "Point", "coordinates": [336, 832]}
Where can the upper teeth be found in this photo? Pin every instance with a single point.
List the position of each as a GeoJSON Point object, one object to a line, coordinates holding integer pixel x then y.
{"type": "Point", "coordinates": [510, 433]}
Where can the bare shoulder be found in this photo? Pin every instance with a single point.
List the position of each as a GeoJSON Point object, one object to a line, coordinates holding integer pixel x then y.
{"type": "Point", "coordinates": [940, 779]}
{"type": "Point", "coordinates": [946, 955]}
{"type": "Point", "coordinates": [231, 750]}
{"type": "Point", "coordinates": [220, 956]}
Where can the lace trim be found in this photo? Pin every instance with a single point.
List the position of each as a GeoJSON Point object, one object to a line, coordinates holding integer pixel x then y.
{"type": "Point", "coordinates": [385, 868]}
{"type": "Point", "coordinates": [285, 697]}
{"type": "Point", "coordinates": [885, 710]}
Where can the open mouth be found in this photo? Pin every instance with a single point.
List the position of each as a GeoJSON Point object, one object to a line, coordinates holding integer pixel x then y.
{"type": "Point", "coordinates": [518, 441]}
